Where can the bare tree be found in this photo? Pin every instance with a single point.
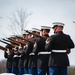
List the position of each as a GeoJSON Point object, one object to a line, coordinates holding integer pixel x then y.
{"type": "Point", "coordinates": [19, 21]}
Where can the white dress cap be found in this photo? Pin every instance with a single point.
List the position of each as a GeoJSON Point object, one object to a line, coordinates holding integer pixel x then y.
{"type": "Point", "coordinates": [45, 27]}
{"type": "Point", "coordinates": [35, 29]}
{"type": "Point", "coordinates": [58, 24]}
{"type": "Point", "coordinates": [7, 74]}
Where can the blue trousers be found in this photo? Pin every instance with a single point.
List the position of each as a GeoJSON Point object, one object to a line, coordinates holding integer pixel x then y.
{"type": "Point", "coordinates": [15, 71]}
{"type": "Point", "coordinates": [43, 71]}
{"type": "Point", "coordinates": [8, 70]}
{"type": "Point", "coordinates": [25, 70]}
{"type": "Point", "coordinates": [21, 71]}
{"type": "Point", "coordinates": [32, 71]}
{"type": "Point", "coordinates": [57, 70]}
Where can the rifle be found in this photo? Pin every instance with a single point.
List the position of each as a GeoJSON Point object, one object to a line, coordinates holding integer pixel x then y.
{"type": "Point", "coordinates": [3, 48]}
{"type": "Point", "coordinates": [42, 37]}
{"type": "Point", "coordinates": [7, 43]}
{"type": "Point", "coordinates": [25, 39]}
{"type": "Point", "coordinates": [11, 41]}
{"type": "Point", "coordinates": [19, 42]}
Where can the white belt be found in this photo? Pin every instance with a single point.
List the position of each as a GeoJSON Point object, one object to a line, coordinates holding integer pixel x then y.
{"type": "Point", "coordinates": [27, 74]}
{"type": "Point", "coordinates": [44, 53]}
{"type": "Point", "coordinates": [17, 56]}
{"type": "Point", "coordinates": [59, 51]}
{"type": "Point", "coordinates": [31, 54]}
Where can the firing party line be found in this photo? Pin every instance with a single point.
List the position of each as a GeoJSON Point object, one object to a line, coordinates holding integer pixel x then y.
{"type": "Point", "coordinates": [37, 53]}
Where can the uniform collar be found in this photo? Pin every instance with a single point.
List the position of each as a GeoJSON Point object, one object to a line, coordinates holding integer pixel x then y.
{"type": "Point", "coordinates": [46, 35]}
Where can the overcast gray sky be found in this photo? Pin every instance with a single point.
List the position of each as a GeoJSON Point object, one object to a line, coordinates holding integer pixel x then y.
{"type": "Point", "coordinates": [44, 12]}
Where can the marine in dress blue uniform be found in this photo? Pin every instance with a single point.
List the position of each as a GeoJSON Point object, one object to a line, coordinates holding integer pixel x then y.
{"type": "Point", "coordinates": [27, 50]}
{"type": "Point", "coordinates": [25, 54]}
{"type": "Point", "coordinates": [43, 54]}
{"type": "Point", "coordinates": [25, 65]}
{"type": "Point", "coordinates": [9, 56]}
{"type": "Point", "coordinates": [32, 63]}
{"type": "Point", "coordinates": [16, 57]}
{"type": "Point", "coordinates": [21, 61]}
{"type": "Point", "coordinates": [60, 45]}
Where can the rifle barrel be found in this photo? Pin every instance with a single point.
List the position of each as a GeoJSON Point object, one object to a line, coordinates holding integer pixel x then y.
{"type": "Point", "coordinates": [14, 42]}
{"type": "Point", "coordinates": [3, 48]}
{"type": "Point", "coordinates": [7, 43]}
{"type": "Point", "coordinates": [25, 39]}
{"type": "Point", "coordinates": [18, 42]}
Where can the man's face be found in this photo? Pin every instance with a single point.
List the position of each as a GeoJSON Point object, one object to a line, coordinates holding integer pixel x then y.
{"type": "Point", "coordinates": [58, 29]}
{"type": "Point", "coordinates": [44, 32]}
{"type": "Point", "coordinates": [38, 33]}
{"type": "Point", "coordinates": [30, 36]}
{"type": "Point", "coordinates": [55, 29]}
